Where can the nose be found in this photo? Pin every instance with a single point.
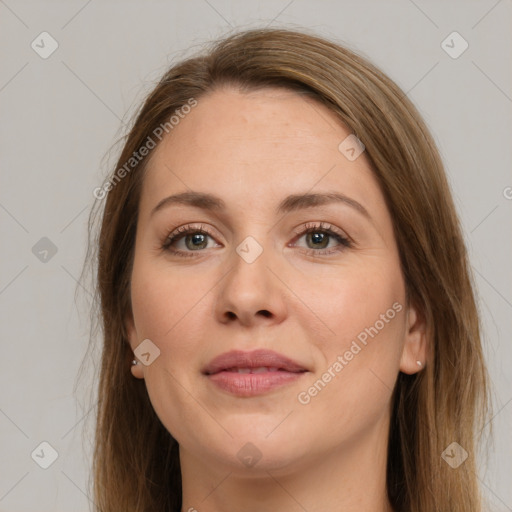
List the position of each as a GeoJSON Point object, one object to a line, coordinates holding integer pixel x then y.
{"type": "Point", "coordinates": [251, 292]}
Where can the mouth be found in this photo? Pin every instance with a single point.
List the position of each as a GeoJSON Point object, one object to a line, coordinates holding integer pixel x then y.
{"type": "Point", "coordinates": [259, 369]}
{"type": "Point", "coordinates": [252, 373]}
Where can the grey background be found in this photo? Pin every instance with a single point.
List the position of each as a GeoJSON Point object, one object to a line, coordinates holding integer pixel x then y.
{"type": "Point", "coordinates": [61, 115]}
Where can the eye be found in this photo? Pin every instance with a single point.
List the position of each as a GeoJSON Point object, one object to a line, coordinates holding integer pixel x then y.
{"type": "Point", "coordinates": [319, 236]}
{"type": "Point", "coordinates": [186, 240]}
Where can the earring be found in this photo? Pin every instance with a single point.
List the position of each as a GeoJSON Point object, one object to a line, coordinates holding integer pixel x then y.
{"type": "Point", "coordinates": [419, 363]}
{"type": "Point", "coordinates": [134, 362]}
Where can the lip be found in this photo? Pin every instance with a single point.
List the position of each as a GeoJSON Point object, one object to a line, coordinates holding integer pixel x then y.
{"type": "Point", "coordinates": [273, 370]}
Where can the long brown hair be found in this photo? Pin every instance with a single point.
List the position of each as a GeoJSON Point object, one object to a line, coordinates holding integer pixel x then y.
{"type": "Point", "coordinates": [136, 461]}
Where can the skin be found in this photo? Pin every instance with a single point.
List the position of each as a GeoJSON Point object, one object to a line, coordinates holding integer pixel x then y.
{"type": "Point", "coordinates": [252, 150]}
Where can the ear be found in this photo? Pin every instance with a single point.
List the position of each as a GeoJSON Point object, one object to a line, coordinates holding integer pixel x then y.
{"type": "Point", "coordinates": [415, 346]}
{"type": "Point", "coordinates": [133, 339]}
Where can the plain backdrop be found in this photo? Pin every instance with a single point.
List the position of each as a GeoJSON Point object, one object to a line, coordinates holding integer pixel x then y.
{"type": "Point", "coordinates": [61, 113]}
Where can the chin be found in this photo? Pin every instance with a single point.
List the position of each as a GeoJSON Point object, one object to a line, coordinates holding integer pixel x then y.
{"type": "Point", "coordinates": [258, 446]}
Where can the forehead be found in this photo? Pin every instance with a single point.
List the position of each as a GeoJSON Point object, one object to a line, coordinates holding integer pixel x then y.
{"type": "Point", "coordinates": [254, 148]}
{"type": "Point", "coordinates": [239, 124]}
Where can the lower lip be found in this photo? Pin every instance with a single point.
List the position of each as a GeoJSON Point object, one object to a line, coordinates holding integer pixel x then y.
{"type": "Point", "coordinates": [252, 384]}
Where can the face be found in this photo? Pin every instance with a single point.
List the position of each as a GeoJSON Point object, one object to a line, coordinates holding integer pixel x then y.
{"type": "Point", "coordinates": [272, 319]}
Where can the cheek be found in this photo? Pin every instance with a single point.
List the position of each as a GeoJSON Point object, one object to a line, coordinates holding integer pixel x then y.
{"type": "Point", "coordinates": [161, 300]}
{"type": "Point", "coordinates": [170, 308]}
{"type": "Point", "coordinates": [349, 300]}
{"type": "Point", "coordinates": [360, 358]}
{"type": "Point", "coordinates": [366, 309]}
{"type": "Point", "coordinates": [165, 309]}
{"type": "Point", "coordinates": [359, 355]}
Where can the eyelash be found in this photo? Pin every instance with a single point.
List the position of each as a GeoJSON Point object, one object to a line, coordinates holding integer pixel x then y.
{"type": "Point", "coordinates": [321, 227]}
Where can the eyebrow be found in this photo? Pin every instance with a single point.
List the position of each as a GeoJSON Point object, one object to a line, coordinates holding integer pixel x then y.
{"type": "Point", "coordinates": [291, 203]}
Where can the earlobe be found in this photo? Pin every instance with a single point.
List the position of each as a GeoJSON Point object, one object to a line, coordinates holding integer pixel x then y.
{"type": "Point", "coordinates": [414, 351]}
{"type": "Point", "coordinates": [137, 370]}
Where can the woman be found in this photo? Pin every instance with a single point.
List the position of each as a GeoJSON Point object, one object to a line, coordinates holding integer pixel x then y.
{"type": "Point", "coordinates": [281, 267]}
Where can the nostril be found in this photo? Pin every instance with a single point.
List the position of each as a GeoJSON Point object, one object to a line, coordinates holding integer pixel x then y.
{"type": "Point", "coordinates": [265, 313]}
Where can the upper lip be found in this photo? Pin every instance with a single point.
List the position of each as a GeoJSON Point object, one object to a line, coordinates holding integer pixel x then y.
{"type": "Point", "coordinates": [255, 359]}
